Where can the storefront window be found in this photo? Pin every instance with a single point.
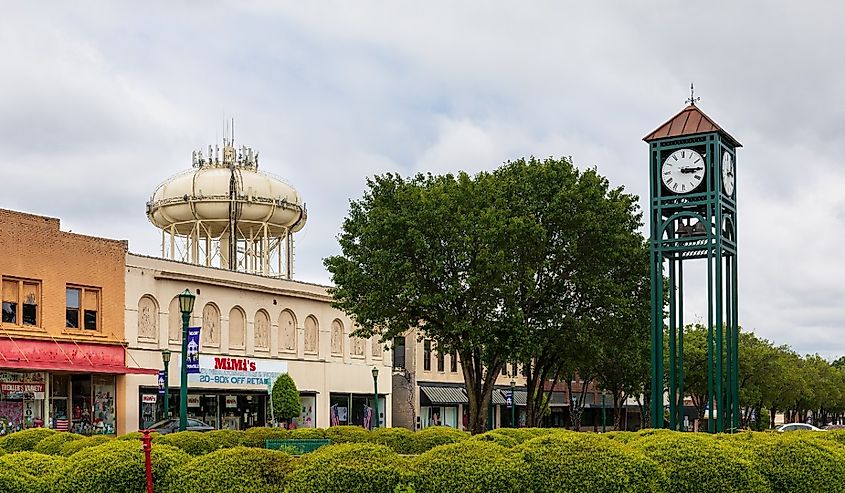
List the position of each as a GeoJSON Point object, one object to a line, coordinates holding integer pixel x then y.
{"type": "Point", "coordinates": [103, 421]}
{"type": "Point", "coordinates": [307, 417]}
{"type": "Point", "coordinates": [59, 391]}
{"type": "Point", "coordinates": [222, 410]}
{"type": "Point", "coordinates": [339, 409]}
{"type": "Point", "coordinates": [21, 401]}
{"type": "Point", "coordinates": [81, 405]}
{"type": "Point", "coordinates": [355, 409]}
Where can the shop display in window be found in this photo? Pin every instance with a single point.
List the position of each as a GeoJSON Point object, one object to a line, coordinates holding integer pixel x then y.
{"type": "Point", "coordinates": [21, 401]}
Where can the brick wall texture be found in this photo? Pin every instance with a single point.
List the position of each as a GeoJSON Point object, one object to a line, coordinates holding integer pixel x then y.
{"type": "Point", "coordinates": [34, 248]}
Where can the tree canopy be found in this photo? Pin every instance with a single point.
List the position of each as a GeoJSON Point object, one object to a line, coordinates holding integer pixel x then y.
{"type": "Point", "coordinates": [531, 263]}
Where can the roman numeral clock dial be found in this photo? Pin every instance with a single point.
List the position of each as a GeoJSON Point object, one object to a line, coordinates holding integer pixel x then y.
{"type": "Point", "coordinates": [683, 171]}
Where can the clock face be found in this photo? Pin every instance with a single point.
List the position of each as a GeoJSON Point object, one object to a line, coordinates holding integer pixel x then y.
{"type": "Point", "coordinates": [683, 171]}
{"type": "Point", "coordinates": [728, 173]}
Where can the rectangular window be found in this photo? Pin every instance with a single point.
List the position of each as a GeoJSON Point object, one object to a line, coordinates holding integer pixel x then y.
{"type": "Point", "coordinates": [30, 303]}
{"type": "Point", "coordinates": [92, 306]}
{"type": "Point", "coordinates": [427, 355]}
{"type": "Point", "coordinates": [505, 370]}
{"type": "Point", "coordinates": [453, 363]}
{"type": "Point", "coordinates": [513, 369]}
{"type": "Point", "coordinates": [82, 308]}
{"type": "Point", "coordinates": [441, 366]}
{"type": "Point", "coordinates": [72, 312]}
{"type": "Point", "coordinates": [20, 302]}
{"type": "Point", "coordinates": [399, 352]}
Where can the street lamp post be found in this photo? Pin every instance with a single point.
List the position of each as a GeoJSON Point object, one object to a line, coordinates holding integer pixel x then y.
{"type": "Point", "coordinates": [375, 396]}
{"type": "Point", "coordinates": [513, 404]}
{"type": "Point", "coordinates": [603, 421]}
{"type": "Point", "coordinates": [186, 306]}
{"type": "Point", "coordinates": [165, 358]}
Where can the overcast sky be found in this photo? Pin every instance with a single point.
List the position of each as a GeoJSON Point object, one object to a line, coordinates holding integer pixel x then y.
{"type": "Point", "coordinates": [101, 102]}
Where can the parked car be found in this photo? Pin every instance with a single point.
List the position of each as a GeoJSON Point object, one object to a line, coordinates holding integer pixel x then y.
{"type": "Point", "coordinates": [834, 427]}
{"type": "Point", "coordinates": [171, 425]}
{"type": "Point", "coordinates": [797, 427]}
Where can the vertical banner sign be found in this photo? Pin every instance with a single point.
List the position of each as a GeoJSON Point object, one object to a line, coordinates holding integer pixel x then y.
{"type": "Point", "coordinates": [160, 382]}
{"type": "Point", "coordinates": [192, 357]}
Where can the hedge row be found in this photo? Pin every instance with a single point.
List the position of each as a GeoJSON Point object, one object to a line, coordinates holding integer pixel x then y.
{"type": "Point", "coordinates": [500, 460]}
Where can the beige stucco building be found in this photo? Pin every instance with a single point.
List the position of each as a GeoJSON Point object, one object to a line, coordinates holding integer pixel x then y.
{"type": "Point", "coordinates": [253, 329]}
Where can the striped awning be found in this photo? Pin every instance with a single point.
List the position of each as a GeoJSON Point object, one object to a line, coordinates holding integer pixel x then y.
{"type": "Point", "coordinates": [519, 397]}
{"type": "Point", "coordinates": [444, 395]}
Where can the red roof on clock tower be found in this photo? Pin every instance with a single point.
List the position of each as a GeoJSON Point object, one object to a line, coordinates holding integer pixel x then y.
{"type": "Point", "coordinates": [689, 121]}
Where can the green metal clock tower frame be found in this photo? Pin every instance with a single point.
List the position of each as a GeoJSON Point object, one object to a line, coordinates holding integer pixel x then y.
{"type": "Point", "coordinates": [699, 224]}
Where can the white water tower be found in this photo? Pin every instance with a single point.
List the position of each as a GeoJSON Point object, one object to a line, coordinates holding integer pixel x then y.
{"type": "Point", "coordinates": [225, 213]}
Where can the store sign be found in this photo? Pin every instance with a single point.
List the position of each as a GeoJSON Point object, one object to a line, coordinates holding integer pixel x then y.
{"type": "Point", "coordinates": [149, 398]}
{"type": "Point", "coordinates": [13, 388]}
{"type": "Point", "coordinates": [193, 353]}
{"type": "Point", "coordinates": [193, 400]}
{"type": "Point", "coordinates": [232, 401]}
{"type": "Point", "coordinates": [238, 371]}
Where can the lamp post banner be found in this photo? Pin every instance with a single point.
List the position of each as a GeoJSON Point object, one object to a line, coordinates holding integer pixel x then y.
{"type": "Point", "coordinates": [192, 356]}
{"type": "Point", "coordinates": [161, 382]}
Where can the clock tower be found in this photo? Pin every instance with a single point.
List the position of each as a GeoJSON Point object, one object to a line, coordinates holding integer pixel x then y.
{"type": "Point", "coordinates": [693, 218]}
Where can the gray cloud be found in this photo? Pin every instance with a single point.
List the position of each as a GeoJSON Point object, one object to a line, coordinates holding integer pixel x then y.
{"type": "Point", "coordinates": [101, 102]}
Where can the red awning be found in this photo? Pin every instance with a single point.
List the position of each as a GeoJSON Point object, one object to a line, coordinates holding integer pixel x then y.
{"type": "Point", "coordinates": [30, 354]}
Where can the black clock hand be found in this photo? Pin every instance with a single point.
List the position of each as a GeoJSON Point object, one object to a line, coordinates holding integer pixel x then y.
{"type": "Point", "coordinates": [691, 169]}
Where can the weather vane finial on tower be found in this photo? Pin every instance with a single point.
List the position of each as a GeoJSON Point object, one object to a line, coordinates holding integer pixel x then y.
{"type": "Point", "coordinates": [692, 99]}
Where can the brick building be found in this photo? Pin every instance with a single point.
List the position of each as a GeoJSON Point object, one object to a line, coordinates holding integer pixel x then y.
{"type": "Point", "coordinates": [62, 352]}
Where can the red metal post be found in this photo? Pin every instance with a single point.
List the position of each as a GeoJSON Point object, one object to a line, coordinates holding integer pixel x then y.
{"type": "Point", "coordinates": [147, 442]}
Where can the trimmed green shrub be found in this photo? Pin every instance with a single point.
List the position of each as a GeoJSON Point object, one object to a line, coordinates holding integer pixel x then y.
{"type": "Point", "coordinates": [286, 403]}
{"type": "Point", "coordinates": [350, 468]}
{"type": "Point", "coordinates": [137, 435]}
{"type": "Point", "coordinates": [347, 434]}
{"type": "Point", "coordinates": [16, 482]}
{"type": "Point", "coordinates": [620, 436]}
{"type": "Point", "coordinates": [24, 439]}
{"type": "Point", "coordinates": [582, 462]}
{"type": "Point", "coordinates": [75, 446]}
{"type": "Point", "coordinates": [401, 440]}
{"type": "Point", "coordinates": [799, 462]}
{"type": "Point", "coordinates": [306, 433]}
{"type": "Point", "coordinates": [192, 442]}
{"type": "Point", "coordinates": [256, 437]}
{"type": "Point", "coordinates": [498, 438]}
{"type": "Point", "coordinates": [428, 438]}
{"type": "Point", "coordinates": [700, 463]}
{"type": "Point", "coordinates": [117, 466]}
{"type": "Point", "coordinates": [32, 463]}
{"type": "Point", "coordinates": [525, 434]}
{"type": "Point", "coordinates": [471, 466]}
{"type": "Point", "coordinates": [224, 438]}
{"type": "Point", "coordinates": [241, 469]}
{"type": "Point", "coordinates": [52, 445]}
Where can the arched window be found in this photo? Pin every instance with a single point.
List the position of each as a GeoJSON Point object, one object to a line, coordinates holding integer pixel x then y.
{"type": "Point", "coordinates": [337, 337]}
{"type": "Point", "coordinates": [147, 318]}
{"type": "Point", "coordinates": [378, 348]}
{"type": "Point", "coordinates": [312, 335]}
{"type": "Point", "coordinates": [174, 320]}
{"type": "Point", "coordinates": [237, 328]}
{"type": "Point", "coordinates": [211, 325]}
{"type": "Point", "coordinates": [262, 330]}
{"type": "Point", "coordinates": [287, 331]}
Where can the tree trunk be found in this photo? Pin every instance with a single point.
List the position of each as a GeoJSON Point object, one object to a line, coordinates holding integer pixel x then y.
{"type": "Point", "coordinates": [479, 386]}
